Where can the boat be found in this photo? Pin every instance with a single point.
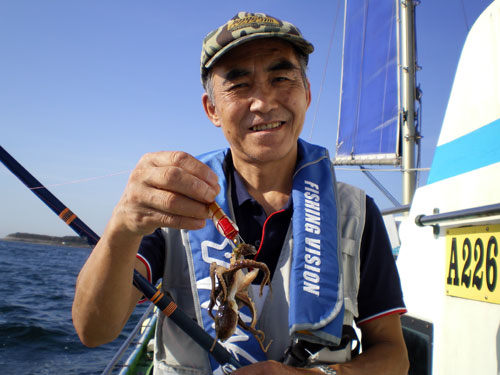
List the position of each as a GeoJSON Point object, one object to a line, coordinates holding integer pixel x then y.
{"type": "Point", "coordinates": [448, 243]}
{"type": "Point", "coordinates": [141, 340]}
{"type": "Point", "coordinates": [449, 256]}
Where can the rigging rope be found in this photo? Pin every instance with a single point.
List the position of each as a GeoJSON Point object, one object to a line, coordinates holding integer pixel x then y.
{"type": "Point", "coordinates": [324, 70]}
{"type": "Point", "coordinates": [465, 16]}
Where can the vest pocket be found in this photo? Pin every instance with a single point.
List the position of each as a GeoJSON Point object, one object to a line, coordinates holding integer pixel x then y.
{"type": "Point", "coordinates": [166, 369]}
{"type": "Point", "coordinates": [350, 274]}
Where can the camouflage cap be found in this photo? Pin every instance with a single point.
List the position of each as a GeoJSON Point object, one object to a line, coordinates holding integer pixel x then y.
{"type": "Point", "coordinates": [245, 27]}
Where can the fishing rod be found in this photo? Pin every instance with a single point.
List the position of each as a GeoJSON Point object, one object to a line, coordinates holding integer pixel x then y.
{"type": "Point", "coordinates": [163, 302]}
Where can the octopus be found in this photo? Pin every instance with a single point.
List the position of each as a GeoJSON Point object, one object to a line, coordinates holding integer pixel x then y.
{"type": "Point", "coordinates": [231, 293]}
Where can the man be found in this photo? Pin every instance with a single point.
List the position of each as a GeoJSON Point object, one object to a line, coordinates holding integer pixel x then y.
{"type": "Point", "coordinates": [283, 196]}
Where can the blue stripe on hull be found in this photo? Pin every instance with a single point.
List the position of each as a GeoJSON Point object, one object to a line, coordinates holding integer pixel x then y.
{"type": "Point", "coordinates": [475, 150]}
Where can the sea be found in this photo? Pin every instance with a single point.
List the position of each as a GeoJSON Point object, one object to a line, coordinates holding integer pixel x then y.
{"type": "Point", "coordinates": [37, 336]}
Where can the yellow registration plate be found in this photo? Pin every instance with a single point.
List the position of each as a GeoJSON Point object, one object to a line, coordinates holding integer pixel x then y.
{"type": "Point", "coordinates": [472, 263]}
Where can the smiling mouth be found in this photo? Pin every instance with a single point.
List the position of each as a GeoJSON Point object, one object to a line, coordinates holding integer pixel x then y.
{"type": "Point", "coordinates": [272, 125]}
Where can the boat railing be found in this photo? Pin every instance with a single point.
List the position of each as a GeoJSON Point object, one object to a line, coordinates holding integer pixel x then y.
{"type": "Point", "coordinates": [469, 213]}
{"type": "Point", "coordinates": [126, 344]}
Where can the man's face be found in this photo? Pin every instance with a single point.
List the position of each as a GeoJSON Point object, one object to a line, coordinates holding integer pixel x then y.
{"type": "Point", "coordinates": [260, 100]}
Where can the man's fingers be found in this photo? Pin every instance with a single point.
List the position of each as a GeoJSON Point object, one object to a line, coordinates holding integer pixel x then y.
{"type": "Point", "coordinates": [177, 204]}
{"type": "Point", "coordinates": [167, 189]}
{"type": "Point", "coordinates": [145, 218]}
{"type": "Point", "coordinates": [184, 161]}
{"type": "Point", "coordinates": [179, 172]}
{"type": "Point", "coordinates": [161, 219]}
{"type": "Point", "coordinates": [177, 180]}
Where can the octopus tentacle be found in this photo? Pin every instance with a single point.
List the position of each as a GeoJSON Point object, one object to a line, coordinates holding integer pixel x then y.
{"type": "Point", "coordinates": [243, 299]}
{"type": "Point", "coordinates": [212, 294]}
{"type": "Point", "coordinates": [231, 294]}
{"type": "Point", "coordinates": [249, 263]}
{"type": "Point", "coordinates": [258, 334]}
{"type": "Point", "coordinates": [219, 272]}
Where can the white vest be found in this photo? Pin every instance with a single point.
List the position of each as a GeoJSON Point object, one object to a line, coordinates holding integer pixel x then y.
{"type": "Point", "coordinates": [176, 353]}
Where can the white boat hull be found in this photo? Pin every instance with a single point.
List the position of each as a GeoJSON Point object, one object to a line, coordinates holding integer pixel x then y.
{"type": "Point", "coordinates": [465, 174]}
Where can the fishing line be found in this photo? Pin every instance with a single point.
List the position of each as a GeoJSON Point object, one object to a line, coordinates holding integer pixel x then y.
{"type": "Point", "coordinates": [162, 301]}
{"type": "Point", "coordinates": [82, 180]}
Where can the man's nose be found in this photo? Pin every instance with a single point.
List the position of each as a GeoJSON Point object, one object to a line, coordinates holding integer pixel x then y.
{"type": "Point", "coordinates": [263, 98]}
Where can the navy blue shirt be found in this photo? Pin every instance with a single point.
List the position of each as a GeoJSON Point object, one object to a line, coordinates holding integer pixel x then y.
{"type": "Point", "coordinates": [266, 233]}
{"type": "Point", "coordinates": [380, 288]}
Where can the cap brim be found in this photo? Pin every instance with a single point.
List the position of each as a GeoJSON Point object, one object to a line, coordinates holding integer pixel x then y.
{"type": "Point", "coordinates": [303, 45]}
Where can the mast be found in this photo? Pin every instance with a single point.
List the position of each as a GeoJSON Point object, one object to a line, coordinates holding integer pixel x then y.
{"type": "Point", "coordinates": [408, 99]}
{"type": "Point", "coordinates": [377, 107]}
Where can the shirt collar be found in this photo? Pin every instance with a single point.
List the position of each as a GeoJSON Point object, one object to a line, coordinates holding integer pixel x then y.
{"type": "Point", "coordinates": [241, 194]}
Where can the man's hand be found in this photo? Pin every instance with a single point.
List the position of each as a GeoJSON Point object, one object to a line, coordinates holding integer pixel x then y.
{"type": "Point", "coordinates": [273, 367]}
{"type": "Point", "coordinates": [166, 189]}
{"type": "Point", "coordinates": [384, 353]}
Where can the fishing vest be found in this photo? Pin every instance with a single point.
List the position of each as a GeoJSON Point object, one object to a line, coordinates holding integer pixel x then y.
{"type": "Point", "coordinates": [186, 278]}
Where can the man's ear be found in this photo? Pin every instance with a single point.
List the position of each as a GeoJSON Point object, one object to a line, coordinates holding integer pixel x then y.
{"type": "Point", "coordinates": [308, 93]}
{"type": "Point", "coordinates": [210, 110]}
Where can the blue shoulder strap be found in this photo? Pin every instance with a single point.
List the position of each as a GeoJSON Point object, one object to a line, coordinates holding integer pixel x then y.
{"type": "Point", "coordinates": [207, 246]}
{"type": "Point", "coordinates": [316, 295]}
{"type": "Point", "coordinates": [316, 291]}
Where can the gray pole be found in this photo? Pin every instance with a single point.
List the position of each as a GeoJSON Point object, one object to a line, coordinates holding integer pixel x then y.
{"type": "Point", "coordinates": [408, 99]}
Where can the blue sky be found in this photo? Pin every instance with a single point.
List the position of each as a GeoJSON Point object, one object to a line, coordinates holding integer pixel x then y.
{"type": "Point", "coordinates": [87, 87]}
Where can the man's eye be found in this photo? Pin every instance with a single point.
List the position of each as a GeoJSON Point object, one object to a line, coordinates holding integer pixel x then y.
{"type": "Point", "coordinates": [238, 86]}
{"type": "Point", "coordinates": [280, 79]}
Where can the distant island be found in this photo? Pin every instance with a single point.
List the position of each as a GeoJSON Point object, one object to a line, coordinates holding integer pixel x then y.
{"type": "Point", "coordinates": [47, 240]}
